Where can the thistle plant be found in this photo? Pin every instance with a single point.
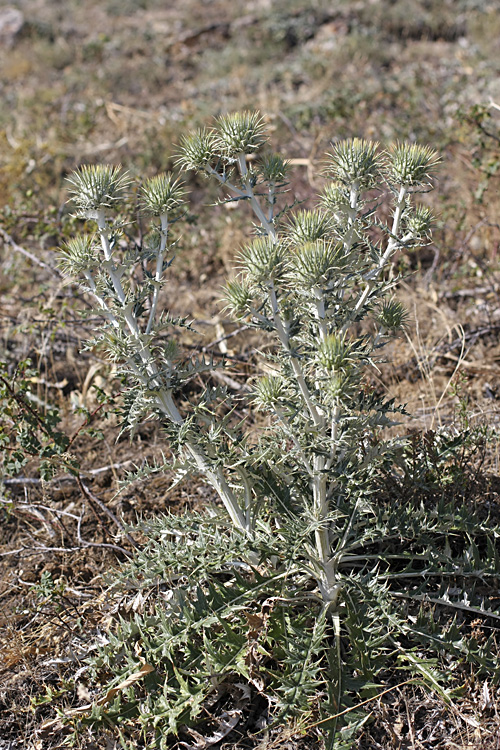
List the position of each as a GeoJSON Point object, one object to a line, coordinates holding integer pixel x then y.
{"type": "Point", "coordinates": [133, 325]}
{"type": "Point", "coordinates": [311, 546]}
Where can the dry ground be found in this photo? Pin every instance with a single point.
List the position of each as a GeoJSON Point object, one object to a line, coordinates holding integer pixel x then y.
{"type": "Point", "coordinates": [119, 81]}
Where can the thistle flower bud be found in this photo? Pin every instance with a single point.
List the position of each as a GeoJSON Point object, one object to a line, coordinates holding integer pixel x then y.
{"type": "Point", "coordinates": [197, 150]}
{"type": "Point", "coordinates": [334, 353]}
{"type": "Point", "coordinates": [269, 390]}
{"type": "Point", "coordinates": [418, 222]}
{"type": "Point", "coordinates": [273, 168]}
{"type": "Point", "coordinates": [239, 133]}
{"type": "Point", "coordinates": [79, 255]}
{"type": "Point", "coordinates": [335, 198]}
{"type": "Point", "coordinates": [309, 226]}
{"type": "Point", "coordinates": [96, 186]}
{"type": "Point", "coordinates": [161, 194]}
{"type": "Point", "coordinates": [355, 161]}
{"type": "Point", "coordinates": [393, 316]}
{"type": "Point", "coordinates": [264, 260]}
{"type": "Point", "coordinates": [411, 164]}
{"type": "Point", "coordinates": [238, 296]}
{"type": "Point", "coordinates": [341, 384]}
{"type": "Point", "coordinates": [314, 261]}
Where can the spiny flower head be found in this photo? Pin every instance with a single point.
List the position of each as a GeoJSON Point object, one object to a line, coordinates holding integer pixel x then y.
{"type": "Point", "coordinates": [341, 384]}
{"type": "Point", "coordinates": [273, 168]}
{"type": "Point", "coordinates": [269, 390]}
{"type": "Point", "coordinates": [162, 194]}
{"type": "Point", "coordinates": [335, 353]}
{"type": "Point", "coordinates": [411, 164]}
{"type": "Point", "coordinates": [239, 133]}
{"type": "Point", "coordinates": [239, 297]}
{"type": "Point", "coordinates": [308, 226]}
{"type": "Point", "coordinates": [335, 197]}
{"type": "Point", "coordinates": [79, 255]}
{"type": "Point", "coordinates": [355, 161]}
{"type": "Point", "coordinates": [264, 260]}
{"type": "Point", "coordinates": [393, 316]}
{"type": "Point", "coordinates": [313, 262]}
{"type": "Point", "coordinates": [197, 150]}
{"type": "Point", "coordinates": [96, 186]}
{"type": "Point", "coordinates": [418, 222]}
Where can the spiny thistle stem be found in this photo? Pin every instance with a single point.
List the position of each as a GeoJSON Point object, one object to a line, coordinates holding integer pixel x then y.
{"type": "Point", "coordinates": [247, 490]}
{"type": "Point", "coordinates": [158, 271]}
{"type": "Point", "coordinates": [321, 510]}
{"type": "Point", "coordinates": [110, 267]}
{"type": "Point", "coordinates": [393, 240]}
{"type": "Point", "coordinates": [289, 431]}
{"type": "Point", "coordinates": [254, 202]}
{"type": "Point", "coordinates": [328, 579]}
{"type": "Point", "coordinates": [297, 369]}
{"type": "Point", "coordinates": [334, 435]}
{"type": "Point", "coordinates": [392, 244]}
{"type": "Point", "coordinates": [271, 199]}
{"type": "Point", "coordinates": [319, 296]}
{"type": "Point", "coordinates": [132, 323]}
{"type": "Point", "coordinates": [108, 313]}
{"type": "Point", "coordinates": [225, 181]}
{"type": "Point", "coordinates": [353, 209]}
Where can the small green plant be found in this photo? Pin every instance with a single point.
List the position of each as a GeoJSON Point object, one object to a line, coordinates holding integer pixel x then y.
{"type": "Point", "coordinates": [30, 429]}
{"type": "Point", "coordinates": [484, 121]}
{"type": "Point", "coordinates": [317, 580]}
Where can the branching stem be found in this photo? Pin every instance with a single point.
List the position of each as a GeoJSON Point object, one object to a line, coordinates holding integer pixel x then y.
{"type": "Point", "coordinates": [391, 246]}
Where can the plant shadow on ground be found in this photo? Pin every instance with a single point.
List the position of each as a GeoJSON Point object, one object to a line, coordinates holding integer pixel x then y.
{"type": "Point", "coordinates": [74, 94]}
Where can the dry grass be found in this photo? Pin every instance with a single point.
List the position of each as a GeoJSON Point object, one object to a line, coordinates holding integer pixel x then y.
{"type": "Point", "coordinates": [119, 81]}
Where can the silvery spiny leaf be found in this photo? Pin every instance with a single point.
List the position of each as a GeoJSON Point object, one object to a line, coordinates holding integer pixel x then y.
{"type": "Point", "coordinates": [355, 161]}
{"type": "Point", "coordinates": [192, 367]}
{"type": "Point", "coordinates": [118, 345]}
{"type": "Point", "coordinates": [79, 255]}
{"type": "Point", "coordinates": [197, 150]}
{"type": "Point", "coordinates": [96, 186]}
{"type": "Point", "coordinates": [138, 405]}
{"type": "Point", "coordinates": [148, 469]}
{"type": "Point", "coordinates": [308, 226]}
{"type": "Point", "coordinates": [239, 133]}
{"type": "Point", "coordinates": [411, 164]}
{"type": "Point", "coordinates": [169, 350]}
{"type": "Point", "coordinates": [264, 260]}
{"type": "Point", "coordinates": [162, 194]}
{"type": "Point", "coordinates": [167, 320]}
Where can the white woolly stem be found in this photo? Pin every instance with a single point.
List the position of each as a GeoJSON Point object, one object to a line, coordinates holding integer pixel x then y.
{"type": "Point", "coordinates": [353, 209]}
{"type": "Point", "coordinates": [158, 271]}
{"type": "Point", "coordinates": [297, 369]}
{"type": "Point", "coordinates": [164, 396]}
